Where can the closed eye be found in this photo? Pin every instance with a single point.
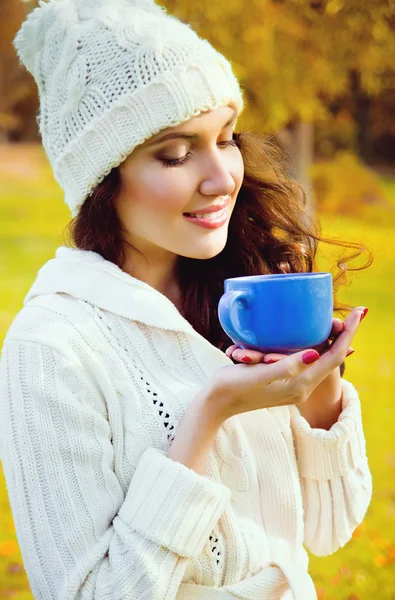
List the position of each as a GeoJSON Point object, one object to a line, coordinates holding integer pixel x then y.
{"type": "Point", "coordinates": [176, 162]}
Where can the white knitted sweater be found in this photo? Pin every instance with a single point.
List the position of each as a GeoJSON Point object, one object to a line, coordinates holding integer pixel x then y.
{"type": "Point", "coordinates": [97, 371]}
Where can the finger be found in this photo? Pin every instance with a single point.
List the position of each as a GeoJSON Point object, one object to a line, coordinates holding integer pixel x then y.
{"type": "Point", "coordinates": [337, 327]}
{"type": "Point", "coordinates": [337, 352]}
{"type": "Point", "coordinates": [292, 365]}
{"type": "Point", "coordinates": [351, 325]}
{"type": "Point", "coordinates": [273, 357]}
{"type": "Point", "coordinates": [230, 350]}
{"type": "Point", "coordinates": [248, 356]}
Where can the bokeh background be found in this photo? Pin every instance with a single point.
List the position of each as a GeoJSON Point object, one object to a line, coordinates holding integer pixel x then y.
{"type": "Point", "coordinates": [319, 81]}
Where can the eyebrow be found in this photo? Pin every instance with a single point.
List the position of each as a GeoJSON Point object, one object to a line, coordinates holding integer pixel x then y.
{"type": "Point", "coordinates": [188, 136]}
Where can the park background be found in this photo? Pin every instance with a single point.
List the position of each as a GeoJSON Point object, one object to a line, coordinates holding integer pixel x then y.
{"type": "Point", "coordinates": [319, 81]}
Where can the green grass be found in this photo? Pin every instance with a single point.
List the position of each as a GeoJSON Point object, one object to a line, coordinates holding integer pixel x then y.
{"type": "Point", "coordinates": [33, 216]}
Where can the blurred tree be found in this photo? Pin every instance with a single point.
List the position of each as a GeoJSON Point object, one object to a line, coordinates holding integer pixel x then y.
{"type": "Point", "coordinates": [382, 126]}
{"type": "Point", "coordinates": [294, 57]}
{"type": "Point", "coordinates": [18, 100]}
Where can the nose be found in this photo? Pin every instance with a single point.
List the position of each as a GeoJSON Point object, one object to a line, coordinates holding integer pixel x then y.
{"type": "Point", "coordinates": [218, 179]}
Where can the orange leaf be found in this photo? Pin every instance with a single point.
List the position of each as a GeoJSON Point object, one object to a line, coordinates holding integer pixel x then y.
{"type": "Point", "coordinates": [358, 531]}
{"type": "Point", "coordinates": [380, 560]}
{"type": "Point", "coordinates": [8, 547]}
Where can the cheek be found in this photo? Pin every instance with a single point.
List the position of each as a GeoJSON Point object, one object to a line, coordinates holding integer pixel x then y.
{"type": "Point", "coordinates": [239, 170]}
{"type": "Point", "coordinates": [158, 191]}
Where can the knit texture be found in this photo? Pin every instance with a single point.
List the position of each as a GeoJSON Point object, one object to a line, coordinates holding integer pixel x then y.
{"type": "Point", "coordinates": [96, 374]}
{"type": "Point", "coordinates": [111, 74]}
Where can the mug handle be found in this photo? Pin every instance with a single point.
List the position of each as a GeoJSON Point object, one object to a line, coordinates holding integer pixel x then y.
{"type": "Point", "coordinates": [228, 314]}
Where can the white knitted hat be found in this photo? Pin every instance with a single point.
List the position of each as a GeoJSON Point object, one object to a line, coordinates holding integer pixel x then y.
{"type": "Point", "coordinates": [111, 74]}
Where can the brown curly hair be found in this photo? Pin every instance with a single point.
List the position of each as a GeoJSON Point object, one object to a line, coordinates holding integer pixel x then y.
{"type": "Point", "coordinates": [271, 231]}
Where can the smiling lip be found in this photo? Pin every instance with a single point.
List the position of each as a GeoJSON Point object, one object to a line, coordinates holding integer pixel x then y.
{"type": "Point", "coordinates": [209, 209]}
{"type": "Point", "coordinates": [209, 223]}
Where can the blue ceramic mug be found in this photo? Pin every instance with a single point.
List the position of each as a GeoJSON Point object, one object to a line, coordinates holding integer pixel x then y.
{"type": "Point", "coordinates": [282, 313]}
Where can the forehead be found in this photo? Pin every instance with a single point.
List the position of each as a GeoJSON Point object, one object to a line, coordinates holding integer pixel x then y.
{"type": "Point", "coordinates": [216, 118]}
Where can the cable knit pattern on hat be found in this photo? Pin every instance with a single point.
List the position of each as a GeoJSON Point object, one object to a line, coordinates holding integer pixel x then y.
{"type": "Point", "coordinates": [96, 374]}
{"type": "Point", "coordinates": [111, 74]}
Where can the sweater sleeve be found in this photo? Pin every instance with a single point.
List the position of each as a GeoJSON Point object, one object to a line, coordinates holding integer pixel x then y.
{"type": "Point", "coordinates": [82, 535]}
{"type": "Point", "coordinates": [334, 473]}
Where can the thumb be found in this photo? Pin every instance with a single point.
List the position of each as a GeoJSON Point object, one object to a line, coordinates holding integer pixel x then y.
{"type": "Point", "coordinates": [292, 365]}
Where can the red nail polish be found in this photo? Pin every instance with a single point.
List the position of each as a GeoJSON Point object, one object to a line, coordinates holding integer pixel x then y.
{"type": "Point", "coordinates": [310, 357]}
{"type": "Point", "coordinates": [363, 315]}
{"type": "Point", "coordinates": [270, 361]}
{"type": "Point", "coordinates": [351, 351]}
{"type": "Point", "coordinates": [246, 359]}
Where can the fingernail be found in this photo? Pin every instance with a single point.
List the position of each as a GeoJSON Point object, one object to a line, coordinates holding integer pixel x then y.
{"type": "Point", "coordinates": [363, 315]}
{"type": "Point", "coordinates": [245, 359]}
{"type": "Point", "coordinates": [310, 357]}
{"type": "Point", "coordinates": [350, 351]}
{"type": "Point", "coordinates": [270, 361]}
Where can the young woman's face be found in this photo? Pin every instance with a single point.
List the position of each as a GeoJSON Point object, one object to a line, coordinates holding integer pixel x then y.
{"type": "Point", "coordinates": [163, 179]}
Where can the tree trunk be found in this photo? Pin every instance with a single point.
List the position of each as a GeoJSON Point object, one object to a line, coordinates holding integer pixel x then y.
{"type": "Point", "coordinates": [361, 109]}
{"type": "Point", "coordinates": [298, 142]}
{"type": "Point", "coordinates": [13, 77]}
{"type": "Point", "coordinates": [304, 156]}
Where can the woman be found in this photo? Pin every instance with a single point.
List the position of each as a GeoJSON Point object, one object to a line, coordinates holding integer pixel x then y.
{"type": "Point", "coordinates": [141, 462]}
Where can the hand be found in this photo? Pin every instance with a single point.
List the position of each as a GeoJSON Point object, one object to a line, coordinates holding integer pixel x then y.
{"type": "Point", "coordinates": [253, 356]}
{"type": "Point", "coordinates": [241, 388]}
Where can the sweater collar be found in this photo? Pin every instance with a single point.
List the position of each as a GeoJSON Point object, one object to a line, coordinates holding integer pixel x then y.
{"type": "Point", "coordinates": [86, 275]}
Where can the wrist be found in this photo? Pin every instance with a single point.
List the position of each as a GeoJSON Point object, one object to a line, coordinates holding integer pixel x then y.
{"type": "Point", "coordinates": [196, 432]}
{"type": "Point", "coordinates": [220, 399]}
{"type": "Point", "coordinates": [211, 402]}
{"type": "Point", "coordinates": [324, 405]}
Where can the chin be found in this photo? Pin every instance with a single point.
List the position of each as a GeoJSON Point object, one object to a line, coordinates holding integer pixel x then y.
{"type": "Point", "coordinates": [205, 253]}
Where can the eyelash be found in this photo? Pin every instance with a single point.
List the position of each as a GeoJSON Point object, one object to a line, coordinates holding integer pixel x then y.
{"type": "Point", "coordinates": [177, 162]}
